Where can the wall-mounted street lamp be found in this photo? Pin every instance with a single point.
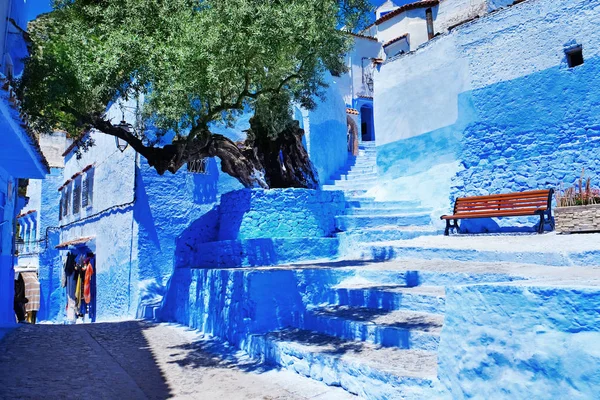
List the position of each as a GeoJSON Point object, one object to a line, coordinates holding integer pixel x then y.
{"type": "Point", "coordinates": [120, 143]}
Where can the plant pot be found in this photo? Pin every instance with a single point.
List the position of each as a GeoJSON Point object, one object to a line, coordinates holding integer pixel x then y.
{"type": "Point", "coordinates": [577, 219]}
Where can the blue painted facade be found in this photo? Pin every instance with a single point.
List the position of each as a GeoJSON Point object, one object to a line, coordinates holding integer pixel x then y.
{"type": "Point", "coordinates": [20, 155]}
{"type": "Point", "coordinates": [141, 225]}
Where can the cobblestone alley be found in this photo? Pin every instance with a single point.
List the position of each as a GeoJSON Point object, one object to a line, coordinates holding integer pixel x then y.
{"type": "Point", "coordinates": [138, 360]}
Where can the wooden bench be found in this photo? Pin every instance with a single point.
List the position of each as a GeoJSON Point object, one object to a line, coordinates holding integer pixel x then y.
{"type": "Point", "coordinates": [535, 202]}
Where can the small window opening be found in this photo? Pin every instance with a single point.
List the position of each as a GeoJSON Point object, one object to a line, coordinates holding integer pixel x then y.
{"type": "Point", "coordinates": [574, 56]}
{"type": "Point", "coordinates": [198, 166]}
{"type": "Point", "coordinates": [429, 18]}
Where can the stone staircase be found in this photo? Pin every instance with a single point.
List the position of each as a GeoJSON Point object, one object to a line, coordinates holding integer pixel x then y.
{"type": "Point", "coordinates": [367, 220]}
{"type": "Point", "coordinates": [376, 337]}
{"type": "Point", "coordinates": [378, 341]}
{"type": "Point", "coordinates": [376, 334]}
{"type": "Point", "coordinates": [359, 174]}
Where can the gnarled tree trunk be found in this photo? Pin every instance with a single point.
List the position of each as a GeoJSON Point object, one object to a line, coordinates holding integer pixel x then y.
{"type": "Point", "coordinates": [260, 161]}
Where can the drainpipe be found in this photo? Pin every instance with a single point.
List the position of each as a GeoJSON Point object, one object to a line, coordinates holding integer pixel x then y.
{"type": "Point", "coordinates": [135, 178]}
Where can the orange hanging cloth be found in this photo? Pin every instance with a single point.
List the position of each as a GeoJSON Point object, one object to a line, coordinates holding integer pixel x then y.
{"type": "Point", "coordinates": [87, 283]}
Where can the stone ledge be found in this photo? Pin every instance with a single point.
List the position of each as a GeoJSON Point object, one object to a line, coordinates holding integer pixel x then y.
{"type": "Point", "coordinates": [577, 218]}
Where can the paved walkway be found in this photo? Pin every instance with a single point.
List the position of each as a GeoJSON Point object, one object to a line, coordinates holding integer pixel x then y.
{"type": "Point", "coordinates": [138, 360]}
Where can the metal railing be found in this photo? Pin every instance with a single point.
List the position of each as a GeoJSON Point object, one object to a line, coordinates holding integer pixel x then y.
{"type": "Point", "coordinates": [29, 248]}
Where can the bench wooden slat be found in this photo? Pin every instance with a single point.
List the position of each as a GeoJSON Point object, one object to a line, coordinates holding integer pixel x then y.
{"type": "Point", "coordinates": [533, 202]}
{"type": "Point", "coordinates": [502, 204]}
{"type": "Point", "coordinates": [486, 214]}
{"type": "Point", "coordinates": [499, 208]}
{"type": "Point", "coordinates": [509, 195]}
{"type": "Point", "coordinates": [503, 201]}
{"type": "Point", "coordinates": [468, 200]}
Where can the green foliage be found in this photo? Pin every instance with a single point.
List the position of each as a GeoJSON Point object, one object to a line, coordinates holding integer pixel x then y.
{"type": "Point", "coordinates": [193, 62]}
{"type": "Point", "coordinates": [272, 115]}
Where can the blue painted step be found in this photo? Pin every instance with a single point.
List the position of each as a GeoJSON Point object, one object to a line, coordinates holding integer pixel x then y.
{"type": "Point", "coordinates": [352, 186]}
{"type": "Point", "coordinates": [384, 234]}
{"type": "Point", "coordinates": [364, 163]}
{"type": "Point", "coordinates": [348, 192]}
{"type": "Point", "coordinates": [429, 299]}
{"type": "Point", "coordinates": [388, 328]}
{"type": "Point", "coordinates": [356, 181]}
{"type": "Point", "coordinates": [367, 202]}
{"type": "Point", "coordinates": [348, 222]}
{"type": "Point", "coordinates": [392, 250]}
{"type": "Point", "coordinates": [350, 176]}
{"type": "Point", "coordinates": [371, 177]}
{"type": "Point", "coordinates": [360, 368]}
{"type": "Point", "coordinates": [383, 210]}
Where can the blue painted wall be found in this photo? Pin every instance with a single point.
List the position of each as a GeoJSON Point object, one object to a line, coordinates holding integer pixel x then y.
{"type": "Point", "coordinates": [492, 107]}
{"type": "Point", "coordinates": [282, 213]}
{"type": "Point", "coordinates": [166, 208]}
{"type": "Point", "coordinates": [326, 132]}
{"type": "Point", "coordinates": [52, 295]}
{"type": "Point", "coordinates": [507, 342]}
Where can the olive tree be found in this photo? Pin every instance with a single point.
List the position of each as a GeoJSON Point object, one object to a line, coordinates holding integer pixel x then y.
{"type": "Point", "coordinates": [193, 64]}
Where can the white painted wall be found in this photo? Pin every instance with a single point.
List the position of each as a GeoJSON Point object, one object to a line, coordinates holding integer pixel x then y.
{"type": "Point", "coordinates": [448, 13]}
{"type": "Point", "coordinates": [396, 48]}
{"type": "Point", "coordinates": [364, 50]}
{"type": "Point", "coordinates": [452, 12]}
{"type": "Point", "coordinates": [409, 99]}
{"type": "Point", "coordinates": [412, 22]}
{"type": "Point", "coordinates": [53, 146]}
{"type": "Point", "coordinates": [385, 7]}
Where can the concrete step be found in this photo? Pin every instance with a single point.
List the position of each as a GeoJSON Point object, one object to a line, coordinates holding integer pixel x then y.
{"type": "Point", "coordinates": [351, 222]}
{"type": "Point", "coordinates": [347, 185]}
{"type": "Point", "coordinates": [361, 368]}
{"type": "Point", "coordinates": [371, 169]}
{"type": "Point", "coordinates": [356, 176]}
{"type": "Point", "coordinates": [364, 162]}
{"type": "Point", "coordinates": [372, 211]}
{"type": "Point", "coordinates": [347, 192]}
{"type": "Point", "coordinates": [367, 152]}
{"type": "Point", "coordinates": [388, 328]}
{"type": "Point", "coordinates": [353, 175]}
{"type": "Point", "coordinates": [469, 249]}
{"type": "Point", "coordinates": [428, 299]}
{"type": "Point", "coordinates": [413, 273]}
{"type": "Point", "coordinates": [387, 233]}
{"type": "Point", "coordinates": [369, 144]}
{"type": "Point", "coordinates": [359, 180]}
{"type": "Point", "coordinates": [370, 202]}
{"type": "Point", "coordinates": [357, 169]}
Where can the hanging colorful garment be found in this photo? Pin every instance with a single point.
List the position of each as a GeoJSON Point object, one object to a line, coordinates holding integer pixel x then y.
{"type": "Point", "coordinates": [78, 292]}
{"type": "Point", "coordinates": [87, 285]}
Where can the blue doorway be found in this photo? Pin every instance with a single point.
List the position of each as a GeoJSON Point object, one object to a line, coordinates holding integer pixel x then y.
{"type": "Point", "coordinates": [366, 124]}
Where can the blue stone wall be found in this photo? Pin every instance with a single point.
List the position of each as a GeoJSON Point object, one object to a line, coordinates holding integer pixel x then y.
{"type": "Point", "coordinates": [167, 208]}
{"type": "Point", "coordinates": [533, 132]}
{"type": "Point", "coordinates": [8, 197]}
{"type": "Point", "coordinates": [263, 227]}
{"type": "Point", "coordinates": [281, 213]}
{"type": "Point", "coordinates": [507, 342]}
{"type": "Point", "coordinates": [492, 107]}
{"type": "Point", "coordinates": [52, 295]}
{"type": "Point", "coordinates": [234, 303]}
{"type": "Point", "coordinates": [326, 131]}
